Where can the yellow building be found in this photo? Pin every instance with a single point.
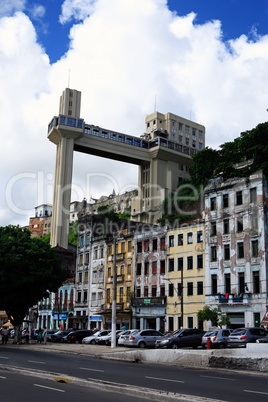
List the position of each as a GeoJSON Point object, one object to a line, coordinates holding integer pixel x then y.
{"type": "Point", "coordinates": [185, 275]}
{"type": "Point", "coordinates": [124, 268]}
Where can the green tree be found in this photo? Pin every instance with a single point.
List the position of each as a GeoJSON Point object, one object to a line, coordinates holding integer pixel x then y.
{"type": "Point", "coordinates": [215, 315]}
{"type": "Point", "coordinates": [29, 269]}
{"type": "Point", "coordinates": [204, 164]}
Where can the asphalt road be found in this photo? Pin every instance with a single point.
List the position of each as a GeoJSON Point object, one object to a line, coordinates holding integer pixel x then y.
{"type": "Point", "coordinates": [216, 384]}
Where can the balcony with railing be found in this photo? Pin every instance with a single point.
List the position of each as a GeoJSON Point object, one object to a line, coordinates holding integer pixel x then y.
{"type": "Point", "coordinates": [145, 301]}
{"type": "Point", "coordinates": [229, 298]}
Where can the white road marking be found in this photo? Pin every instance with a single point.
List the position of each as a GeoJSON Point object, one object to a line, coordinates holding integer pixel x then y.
{"type": "Point", "coordinates": [256, 392]}
{"type": "Point", "coordinates": [53, 389]}
{"type": "Point", "coordinates": [218, 378]}
{"type": "Point", "coordinates": [89, 369]}
{"type": "Point", "coordinates": [165, 379]}
{"type": "Point", "coordinates": [3, 378]}
{"type": "Point", "coordinates": [34, 361]}
{"type": "Point", "coordinates": [4, 357]}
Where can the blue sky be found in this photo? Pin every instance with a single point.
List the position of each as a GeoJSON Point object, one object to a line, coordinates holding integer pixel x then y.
{"type": "Point", "coordinates": [237, 17]}
{"type": "Point", "coordinates": [204, 60]}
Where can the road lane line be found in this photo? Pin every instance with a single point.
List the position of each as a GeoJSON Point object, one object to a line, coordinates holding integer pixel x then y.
{"type": "Point", "coordinates": [2, 378]}
{"type": "Point", "coordinates": [52, 389]}
{"type": "Point", "coordinates": [89, 369]}
{"type": "Point", "coordinates": [164, 379]}
{"type": "Point", "coordinates": [255, 392]}
{"type": "Point", "coordinates": [4, 357]}
{"type": "Point", "coordinates": [34, 361]}
{"type": "Point", "coordinates": [218, 378]}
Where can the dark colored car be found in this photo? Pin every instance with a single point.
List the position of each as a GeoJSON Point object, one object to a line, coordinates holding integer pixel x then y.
{"type": "Point", "coordinates": [77, 336]}
{"type": "Point", "coordinates": [240, 337]}
{"type": "Point", "coordinates": [181, 338]}
{"type": "Point", "coordinates": [57, 337]}
{"type": "Point", "coordinates": [50, 332]}
{"type": "Point", "coordinates": [262, 340]}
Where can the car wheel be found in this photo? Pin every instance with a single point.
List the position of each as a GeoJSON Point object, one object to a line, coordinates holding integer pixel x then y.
{"type": "Point", "coordinates": [222, 346]}
{"type": "Point", "coordinates": [174, 346]}
{"type": "Point", "coordinates": [93, 342]}
{"type": "Point", "coordinates": [142, 345]}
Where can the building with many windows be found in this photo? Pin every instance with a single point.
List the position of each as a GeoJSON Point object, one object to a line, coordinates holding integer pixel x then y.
{"type": "Point", "coordinates": [236, 247]}
{"type": "Point", "coordinates": [185, 275]}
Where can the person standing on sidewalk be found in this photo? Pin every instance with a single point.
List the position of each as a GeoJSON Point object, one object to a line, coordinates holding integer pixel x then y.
{"type": "Point", "coordinates": [4, 335]}
{"type": "Point", "coordinates": [39, 336]}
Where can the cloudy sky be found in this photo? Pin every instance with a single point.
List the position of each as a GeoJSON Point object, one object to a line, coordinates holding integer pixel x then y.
{"type": "Point", "coordinates": [208, 62]}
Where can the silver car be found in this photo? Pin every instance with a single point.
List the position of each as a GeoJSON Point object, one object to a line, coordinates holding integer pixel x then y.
{"type": "Point", "coordinates": [91, 340]}
{"type": "Point", "coordinates": [240, 337]}
{"type": "Point", "coordinates": [142, 338]}
{"type": "Point", "coordinates": [218, 338]}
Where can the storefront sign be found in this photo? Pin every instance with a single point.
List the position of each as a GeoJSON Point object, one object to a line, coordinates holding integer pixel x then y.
{"type": "Point", "coordinates": [147, 301]}
{"type": "Point", "coordinates": [95, 318]}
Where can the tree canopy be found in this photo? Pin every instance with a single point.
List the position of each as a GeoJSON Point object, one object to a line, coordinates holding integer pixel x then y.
{"type": "Point", "coordinates": [215, 315]}
{"type": "Point", "coordinates": [250, 145]}
{"type": "Point", "coordinates": [29, 268]}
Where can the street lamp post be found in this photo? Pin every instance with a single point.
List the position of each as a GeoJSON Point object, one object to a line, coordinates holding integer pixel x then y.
{"type": "Point", "coordinates": [113, 339]}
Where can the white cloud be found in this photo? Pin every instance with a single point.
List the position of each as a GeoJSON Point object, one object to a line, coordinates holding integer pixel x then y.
{"type": "Point", "coordinates": [8, 7]}
{"type": "Point", "coordinates": [38, 11]}
{"type": "Point", "coordinates": [121, 56]}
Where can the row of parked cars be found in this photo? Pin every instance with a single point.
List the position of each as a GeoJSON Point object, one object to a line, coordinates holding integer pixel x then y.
{"type": "Point", "coordinates": [220, 338]}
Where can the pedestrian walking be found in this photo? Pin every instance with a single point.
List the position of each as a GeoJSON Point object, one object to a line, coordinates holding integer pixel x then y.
{"type": "Point", "coordinates": [45, 335]}
{"type": "Point", "coordinates": [39, 336]}
{"type": "Point", "coordinates": [4, 335]}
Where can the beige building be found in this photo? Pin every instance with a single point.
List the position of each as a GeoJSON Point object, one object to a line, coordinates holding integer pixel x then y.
{"type": "Point", "coordinates": [185, 275]}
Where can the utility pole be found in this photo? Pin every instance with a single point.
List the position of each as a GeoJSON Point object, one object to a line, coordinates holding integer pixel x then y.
{"type": "Point", "coordinates": [182, 297]}
{"type": "Point", "coordinates": [113, 340]}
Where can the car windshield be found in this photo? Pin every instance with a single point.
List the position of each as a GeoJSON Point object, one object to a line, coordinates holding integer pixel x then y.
{"type": "Point", "coordinates": [209, 333]}
{"type": "Point", "coordinates": [176, 333]}
{"type": "Point", "coordinates": [135, 332]}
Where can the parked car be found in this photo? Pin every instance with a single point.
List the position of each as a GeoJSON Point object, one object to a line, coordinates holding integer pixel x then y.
{"type": "Point", "coordinates": [91, 340]}
{"type": "Point", "coordinates": [77, 336]}
{"type": "Point", "coordinates": [108, 338]}
{"type": "Point", "coordinates": [218, 338]}
{"type": "Point", "coordinates": [50, 332]}
{"type": "Point", "coordinates": [142, 338]}
{"type": "Point", "coordinates": [123, 335]}
{"type": "Point", "coordinates": [57, 337]}
{"type": "Point", "coordinates": [239, 338]}
{"type": "Point", "coordinates": [181, 338]}
{"type": "Point", "coordinates": [262, 340]}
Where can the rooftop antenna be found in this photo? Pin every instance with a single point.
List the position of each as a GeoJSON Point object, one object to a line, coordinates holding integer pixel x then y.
{"type": "Point", "coordinates": [155, 103]}
{"type": "Point", "coordinates": [69, 77]}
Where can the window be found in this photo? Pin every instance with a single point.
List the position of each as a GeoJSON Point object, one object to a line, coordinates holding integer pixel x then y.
{"type": "Point", "coordinates": [171, 264]}
{"type": "Point", "coordinates": [154, 288]}
{"type": "Point", "coordinates": [239, 198]}
{"type": "Point", "coordinates": [78, 297]}
{"type": "Point", "coordinates": [180, 263]}
{"type": "Point", "coordinates": [95, 253]}
{"type": "Point", "coordinates": [108, 295]}
{"type": "Point", "coordinates": [255, 248]}
{"type": "Point", "coordinates": [87, 240]}
{"type": "Point", "coordinates": [154, 267]}
{"type": "Point", "coordinates": [241, 282]}
{"type": "Point", "coordinates": [162, 290]}
{"type": "Point", "coordinates": [213, 254]}
{"type": "Point", "coordinates": [200, 261]}
{"type": "Point", "coordinates": [225, 200]}
{"type": "Point", "coordinates": [146, 268]}
{"type": "Point", "coordinates": [239, 225]}
{"type": "Point", "coordinates": [81, 259]}
{"type": "Point", "coordinates": [138, 292]}
{"type": "Point", "coordinates": [86, 276]}
{"type": "Point", "coordinates": [200, 288]}
{"type": "Point", "coordinates": [80, 277]}
{"type": "Point", "coordinates": [227, 283]}
{"type": "Point", "coordinates": [121, 295]}
{"type": "Point", "coordinates": [109, 271]}
{"type": "Point", "coordinates": [129, 245]}
{"type": "Point", "coordinates": [122, 268]}
{"type": "Point", "coordinates": [254, 219]}
{"type": "Point", "coordinates": [81, 241]}
{"type": "Point", "coordinates": [110, 249]}
{"type": "Point", "coordinates": [87, 258]}
{"type": "Point", "coordinates": [253, 195]}
{"type": "Point", "coordinates": [171, 241]}
{"type": "Point", "coordinates": [170, 324]}
{"type": "Point", "coordinates": [123, 247]}
{"type": "Point", "coordinates": [179, 289]}
{"type": "Point", "coordinates": [128, 293]}
{"type": "Point", "coordinates": [256, 282]}
{"type": "Point", "coordinates": [213, 204]}
{"type": "Point", "coordinates": [226, 251]}
{"type": "Point", "coordinates": [162, 267]}
{"type": "Point", "coordinates": [240, 250]}
{"type": "Point", "coordinates": [213, 228]}
{"type": "Point", "coordinates": [199, 236]}
{"type": "Point", "coordinates": [190, 238]}
{"type": "Point", "coordinates": [145, 291]}
{"type": "Point", "coordinates": [190, 262]}
{"type": "Point", "coordinates": [85, 296]}
{"type": "Point", "coordinates": [226, 226]}
{"type": "Point", "coordinates": [154, 244]}
{"type": "Point", "coordinates": [190, 289]}
{"type": "Point", "coordinates": [190, 321]}
{"type": "Point", "coordinates": [139, 247]}
{"type": "Point", "coordinates": [180, 239]}
{"type": "Point", "coordinates": [138, 268]}
{"type": "Point", "coordinates": [214, 284]}
{"type": "Point", "coordinates": [146, 245]}
{"type": "Point", "coordinates": [171, 289]}
{"type": "Point", "coordinates": [162, 243]}
{"type": "Point", "coordinates": [129, 269]}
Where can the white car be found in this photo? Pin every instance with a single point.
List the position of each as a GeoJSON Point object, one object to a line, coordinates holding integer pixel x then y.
{"type": "Point", "coordinates": [122, 336]}
{"type": "Point", "coordinates": [91, 340]}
